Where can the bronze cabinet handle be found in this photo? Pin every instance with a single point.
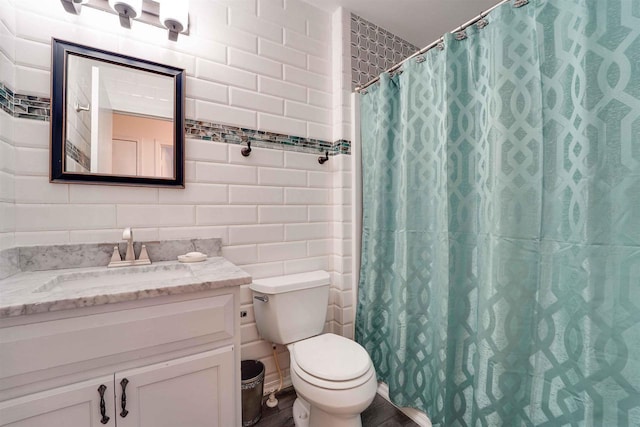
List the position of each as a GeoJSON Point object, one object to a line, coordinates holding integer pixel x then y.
{"type": "Point", "coordinates": [103, 407]}
{"type": "Point", "coordinates": [123, 400]}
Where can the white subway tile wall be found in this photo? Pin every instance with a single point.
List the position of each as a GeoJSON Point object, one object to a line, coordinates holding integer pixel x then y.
{"type": "Point", "coordinates": [268, 65]}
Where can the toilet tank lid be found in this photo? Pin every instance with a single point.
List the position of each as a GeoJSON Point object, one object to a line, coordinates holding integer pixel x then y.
{"type": "Point", "coordinates": [292, 282]}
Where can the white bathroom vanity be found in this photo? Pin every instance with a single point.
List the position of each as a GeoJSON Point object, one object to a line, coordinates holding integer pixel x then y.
{"type": "Point", "coordinates": [122, 352]}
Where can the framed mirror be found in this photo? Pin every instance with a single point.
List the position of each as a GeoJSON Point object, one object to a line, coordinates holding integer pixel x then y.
{"type": "Point", "coordinates": [115, 119]}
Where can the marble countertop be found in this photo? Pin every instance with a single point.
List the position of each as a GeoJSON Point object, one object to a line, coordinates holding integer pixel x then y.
{"type": "Point", "coordinates": [52, 290]}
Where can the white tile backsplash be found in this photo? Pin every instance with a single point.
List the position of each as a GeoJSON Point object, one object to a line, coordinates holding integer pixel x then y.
{"type": "Point", "coordinates": [219, 173]}
{"type": "Point", "coordinates": [267, 269]}
{"type": "Point", "coordinates": [306, 264]}
{"type": "Point", "coordinates": [226, 215]}
{"type": "Point", "coordinates": [195, 193]}
{"type": "Point", "coordinates": [254, 63]}
{"type": "Point", "coordinates": [37, 238]}
{"type": "Point", "coordinates": [32, 54]}
{"type": "Point", "coordinates": [196, 149]}
{"type": "Point", "coordinates": [282, 214]}
{"type": "Point", "coordinates": [231, 37]}
{"type": "Point", "coordinates": [249, 22]}
{"type": "Point", "coordinates": [252, 100]}
{"type": "Point", "coordinates": [306, 44]}
{"type": "Point", "coordinates": [282, 89]}
{"type": "Point", "coordinates": [271, 123]}
{"type": "Point", "coordinates": [225, 114]}
{"type": "Point", "coordinates": [155, 215]}
{"type": "Point", "coordinates": [305, 161]}
{"type": "Point", "coordinates": [282, 54]}
{"type": "Point", "coordinates": [306, 196]}
{"type": "Point", "coordinates": [319, 131]}
{"type": "Point", "coordinates": [257, 157]}
{"type": "Point", "coordinates": [225, 74]}
{"type": "Point", "coordinates": [32, 161]}
{"type": "Point", "coordinates": [310, 231]}
{"type": "Point", "coordinates": [244, 254]}
{"type": "Point", "coordinates": [321, 213]}
{"type": "Point", "coordinates": [244, 194]}
{"type": "Point", "coordinates": [207, 91]}
{"type": "Point", "coordinates": [8, 188]}
{"type": "Point", "coordinates": [200, 232]}
{"type": "Point", "coordinates": [307, 112]}
{"type": "Point", "coordinates": [265, 64]}
{"type": "Point", "coordinates": [241, 235]}
{"type": "Point", "coordinates": [307, 78]}
{"type": "Point", "coordinates": [282, 251]}
{"type": "Point", "coordinates": [274, 11]}
{"type": "Point", "coordinates": [109, 236]}
{"type": "Point", "coordinates": [320, 99]}
{"type": "Point", "coordinates": [320, 179]}
{"type": "Point", "coordinates": [79, 193]}
{"type": "Point", "coordinates": [282, 177]}
{"type": "Point", "coordinates": [36, 189]}
{"type": "Point", "coordinates": [45, 217]}
{"type": "Point", "coordinates": [7, 217]}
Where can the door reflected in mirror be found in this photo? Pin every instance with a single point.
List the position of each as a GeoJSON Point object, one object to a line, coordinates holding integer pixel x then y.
{"type": "Point", "coordinates": [115, 119]}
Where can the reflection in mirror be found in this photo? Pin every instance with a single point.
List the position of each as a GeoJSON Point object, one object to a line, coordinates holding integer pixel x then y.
{"type": "Point", "coordinates": [119, 120]}
{"type": "Point", "coordinates": [115, 118]}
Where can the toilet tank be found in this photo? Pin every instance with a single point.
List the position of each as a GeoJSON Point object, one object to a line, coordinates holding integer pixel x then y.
{"type": "Point", "coordinates": [295, 306]}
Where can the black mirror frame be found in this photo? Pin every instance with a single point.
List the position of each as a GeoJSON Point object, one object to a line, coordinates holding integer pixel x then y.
{"type": "Point", "coordinates": [59, 52]}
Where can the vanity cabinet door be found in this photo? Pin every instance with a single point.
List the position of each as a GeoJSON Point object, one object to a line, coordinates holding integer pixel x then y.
{"type": "Point", "coordinates": [69, 406]}
{"type": "Point", "coordinates": [194, 391]}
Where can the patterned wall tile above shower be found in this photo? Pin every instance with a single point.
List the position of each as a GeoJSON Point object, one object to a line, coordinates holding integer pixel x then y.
{"type": "Point", "coordinates": [374, 50]}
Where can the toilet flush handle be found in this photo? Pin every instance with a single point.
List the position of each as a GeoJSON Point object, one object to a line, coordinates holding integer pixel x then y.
{"type": "Point", "coordinates": [262, 298]}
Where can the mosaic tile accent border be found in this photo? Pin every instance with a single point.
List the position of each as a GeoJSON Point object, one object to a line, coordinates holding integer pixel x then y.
{"type": "Point", "coordinates": [38, 108]}
{"type": "Point", "coordinates": [6, 99]}
{"type": "Point", "coordinates": [78, 156]}
{"type": "Point", "coordinates": [374, 50]}
{"type": "Point", "coordinates": [24, 106]}
{"type": "Point", "coordinates": [209, 131]}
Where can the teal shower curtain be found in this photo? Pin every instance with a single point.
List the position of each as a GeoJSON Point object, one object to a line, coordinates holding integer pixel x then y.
{"type": "Point", "coordinates": [500, 274]}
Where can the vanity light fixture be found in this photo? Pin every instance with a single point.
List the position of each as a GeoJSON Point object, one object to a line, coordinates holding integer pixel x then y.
{"type": "Point", "coordinates": [172, 15]}
{"type": "Point", "coordinates": [73, 6]}
{"type": "Point", "coordinates": [126, 10]}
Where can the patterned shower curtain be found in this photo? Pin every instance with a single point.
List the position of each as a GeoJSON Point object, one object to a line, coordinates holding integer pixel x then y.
{"type": "Point", "coordinates": [500, 278]}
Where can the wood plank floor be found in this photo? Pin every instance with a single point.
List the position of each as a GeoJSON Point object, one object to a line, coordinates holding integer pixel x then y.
{"type": "Point", "coordinates": [379, 414]}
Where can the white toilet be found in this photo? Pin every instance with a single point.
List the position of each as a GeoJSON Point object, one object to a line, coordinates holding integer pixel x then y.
{"type": "Point", "coordinates": [333, 376]}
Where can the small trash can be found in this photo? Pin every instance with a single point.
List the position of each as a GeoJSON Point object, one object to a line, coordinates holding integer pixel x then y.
{"type": "Point", "coordinates": [252, 373]}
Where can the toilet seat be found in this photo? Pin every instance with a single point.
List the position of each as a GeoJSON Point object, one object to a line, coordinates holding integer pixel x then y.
{"type": "Point", "coordinates": [331, 361]}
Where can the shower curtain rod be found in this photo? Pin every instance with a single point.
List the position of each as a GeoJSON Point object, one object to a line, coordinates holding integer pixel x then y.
{"type": "Point", "coordinates": [467, 24]}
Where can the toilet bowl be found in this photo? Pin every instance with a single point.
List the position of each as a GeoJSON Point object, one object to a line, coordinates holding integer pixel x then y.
{"type": "Point", "coordinates": [333, 376]}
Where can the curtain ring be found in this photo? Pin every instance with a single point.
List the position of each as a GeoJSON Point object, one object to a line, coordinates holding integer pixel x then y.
{"type": "Point", "coordinates": [420, 59]}
{"type": "Point", "coordinates": [440, 45]}
{"type": "Point", "coordinates": [461, 35]}
{"type": "Point", "coordinates": [395, 73]}
{"type": "Point", "coordinates": [482, 22]}
{"type": "Point", "coordinates": [520, 3]}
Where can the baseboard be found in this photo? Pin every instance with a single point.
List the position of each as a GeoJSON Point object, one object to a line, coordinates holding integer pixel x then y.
{"type": "Point", "coordinates": [273, 385]}
{"type": "Point", "coordinates": [418, 417]}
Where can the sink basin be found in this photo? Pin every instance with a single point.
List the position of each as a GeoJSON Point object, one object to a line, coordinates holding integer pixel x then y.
{"type": "Point", "coordinates": [115, 277]}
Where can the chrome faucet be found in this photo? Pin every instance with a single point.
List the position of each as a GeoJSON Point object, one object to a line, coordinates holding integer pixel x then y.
{"type": "Point", "coordinates": [130, 255]}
